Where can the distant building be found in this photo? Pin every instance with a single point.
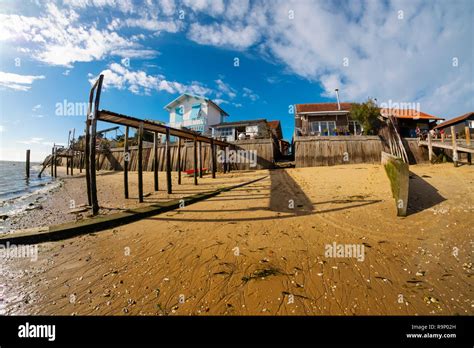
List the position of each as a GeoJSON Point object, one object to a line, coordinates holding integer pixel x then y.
{"type": "Point", "coordinates": [459, 123]}
{"type": "Point", "coordinates": [409, 119]}
{"type": "Point", "coordinates": [194, 112]}
{"type": "Point", "coordinates": [325, 119]}
{"type": "Point", "coordinates": [241, 130]}
{"type": "Point", "coordinates": [332, 119]}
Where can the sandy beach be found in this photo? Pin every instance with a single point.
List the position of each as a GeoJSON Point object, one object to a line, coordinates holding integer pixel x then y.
{"type": "Point", "coordinates": [260, 249]}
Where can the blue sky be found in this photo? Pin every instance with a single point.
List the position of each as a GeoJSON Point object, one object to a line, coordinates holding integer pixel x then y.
{"type": "Point", "coordinates": [289, 52]}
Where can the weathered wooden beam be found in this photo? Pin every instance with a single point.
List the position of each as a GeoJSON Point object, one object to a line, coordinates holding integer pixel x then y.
{"type": "Point", "coordinates": [200, 160]}
{"type": "Point", "coordinates": [72, 164]}
{"type": "Point", "coordinates": [430, 148]}
{"type": "Point", "coordinates": [213, 158]}
{"type": "Point", "coordinates": [86, 159]}
{"type": "Point", "coordinates": [168, 162]}
{"type": "Point", "coordinates": [455, 149]}
{"type": "Point", "coordinates": [126, 159]}
{"type": "Point", "coordinates": [468, 135]}
{"type": "Point", "coordinates": [195, 162]}
{"type": "Point", "coordinates": [55, 162]}
{"type": "Point", "coordinates": [80, 161]}
{"type": "Point", "coordinates": [155, 160]}
{"type": "Point", "coordinates": [140, 163]}
{"type": "Point", "coordinates": [92, 159]}
{"type": "Point", "coordinates": [52, 159]}
{"type": "Point", "coordinates": [27, 163]}
{"type": "Point", "coordinates": [224, 161]}
{"type": "Point", "coordinates": [179, 161]}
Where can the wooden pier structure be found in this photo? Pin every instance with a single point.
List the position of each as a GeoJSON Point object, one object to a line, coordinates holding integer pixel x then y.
{"type": "Point", "coordinates": [453, 144]}
{"type": "Point", "coordinates": [94, 115]}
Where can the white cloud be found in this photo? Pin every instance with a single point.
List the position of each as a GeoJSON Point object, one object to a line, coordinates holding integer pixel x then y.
{"type": "Point", "coordinates": [59, 38]}
{"type": "Point", "coordinates": [235, 36]}
{"type": "Point", "coordinates": [248, 93]}
{"type": "Point", "coordinates": [138, 82]}
{"type": "Point", "coordinates": [36, 107]}
{"type": "Point", "coordinates": [18, 82]}
{"type": "Point", "coordinates": [2, 128]}
{"type": "Point", "coordinates": [224, 88]}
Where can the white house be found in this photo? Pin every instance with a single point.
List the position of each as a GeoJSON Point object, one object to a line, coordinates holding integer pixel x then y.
{"type": "Point", "coordinates": [194, 112]}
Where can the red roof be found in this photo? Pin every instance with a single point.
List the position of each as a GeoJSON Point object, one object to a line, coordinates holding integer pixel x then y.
{"type": "Point", "coordinates": [456, 120]}
{"type": "Point", "coordinates": [321, 107]}
{"type": "Point", "coordinates": [408, 113]}
{"type": "Point", "coordinates": [273, 124]}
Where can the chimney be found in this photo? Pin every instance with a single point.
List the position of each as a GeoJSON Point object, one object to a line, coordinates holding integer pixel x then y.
{"type": "Point", "coordinates": [337, 96]}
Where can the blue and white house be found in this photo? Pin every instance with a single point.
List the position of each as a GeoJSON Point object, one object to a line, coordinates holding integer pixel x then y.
{"type": "Point", "coordinates": [194, 112]}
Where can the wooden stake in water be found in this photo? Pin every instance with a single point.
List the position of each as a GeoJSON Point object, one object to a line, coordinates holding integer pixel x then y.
{"type": "Point", "coordinates": [27, 163]}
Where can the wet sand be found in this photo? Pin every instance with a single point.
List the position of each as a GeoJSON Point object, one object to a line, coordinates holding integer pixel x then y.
{"type": "Point", "coordinates": [248, 252]}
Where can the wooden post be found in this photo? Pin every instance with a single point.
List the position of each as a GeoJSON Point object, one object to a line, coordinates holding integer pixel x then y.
{"type": "Point", "coordinates": [67, 165]}
{"type": "Point", "coordinates": [92, 160]}
{"type": "Point", "coordinates": [430, 148]}
{"type": "Point", "coordinates": [27, 163]}
{"type": "Point", "coordinates": [80, 162]}
{"type": "Point", "coordinates": [52, 160]}
{"type": "Point", "coordinates": [168, 161]}
{"type": "Point", "coordinates": [72, 164]}
{"type": "Point", "coordinates": [179, 161]}
{"type": "Point", "coordinates": [468, 135]}
{"type": "Point", "coordinates": [195, 162]}
{"type": "Point", "coordinates": [200, 160]}
{"type": "Point", "coordinates": [55, 162]}
{"type": "Point", "coordinates": [140, 163]}
{"type": "Point", "coordinates": [213, 158]}
{"type": "Point", "coordinates": [442, 137]}
{"type": "Point", "coordinates": [224, 161]}
{"type": "Point", "coordinates": [455, 148]}
{"type": "Point", "coordinates": [86, 159]}
{"type": "Point", "coordinates": [126, 159]}
{"type": "Point", "coordinates": [155, 160]}
{"type": "Point", "coordinates": [229, 164]}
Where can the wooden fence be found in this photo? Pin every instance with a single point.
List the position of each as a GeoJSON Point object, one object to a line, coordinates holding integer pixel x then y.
{"type": "Point", "coordinates": [114, 158]}
{"type": "Point", "coordinates": [333, 150]}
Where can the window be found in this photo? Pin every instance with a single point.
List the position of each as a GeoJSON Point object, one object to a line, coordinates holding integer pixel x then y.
{"type": "Point", "coordinates": [225, 132]}
{"type": "Point", "coordinates": [323, 127]}
{"type": "Point", "coordinates": [355, 127]}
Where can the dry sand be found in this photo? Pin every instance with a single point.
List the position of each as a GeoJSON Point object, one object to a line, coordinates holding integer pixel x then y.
{"type": "Point", "coordinates": [246, 252]}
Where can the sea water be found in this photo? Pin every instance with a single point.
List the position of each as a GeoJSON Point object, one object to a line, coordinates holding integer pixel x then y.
{"type": "Point", "coordinates": [17, 192]}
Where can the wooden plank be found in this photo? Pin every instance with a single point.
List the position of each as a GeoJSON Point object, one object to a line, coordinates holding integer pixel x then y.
{"type": "Point", "coordinates": [140, 163]}
{"type": "Point", "coordinates": [126, 161]}
{"type": "Point", "coordinates": [168, 162]}
{"type": "Point", "coordinates": [455, 150]}
{"type": "Point", "coordinates": [213, 158]}
{"type": "Point", "coordinates": [200, 160]}
{"type": "Point", "coordinates": [430, 148]}
{"type": "Point", "coordinates": [155, 160]}
{"type": "Point", "coordinates": [398, 174]}
{"type": "Point", "coordinates": [179, 161]}
{"type": "Point", "coordinates": [195, 162]}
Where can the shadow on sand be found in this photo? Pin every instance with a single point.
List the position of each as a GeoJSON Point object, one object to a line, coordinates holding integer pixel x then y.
{"type": "Point", "coordinates": [421, 195]}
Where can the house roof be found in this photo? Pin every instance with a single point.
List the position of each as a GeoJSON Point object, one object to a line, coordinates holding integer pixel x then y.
{"type": "Point", "coordinates": [187, 95]}
{"type": "Point", "coordinates": [322, 107]}
{"type": "Point", "coordinates": [239, 123]}
{"type": "Point", "coordinates": [453, 121]}
{"type": "Point", "coordinates": [274, 124]}
{"type": "Point", "coordinates": [408, 114]}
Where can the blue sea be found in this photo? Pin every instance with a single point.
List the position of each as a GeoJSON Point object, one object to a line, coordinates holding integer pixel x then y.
{"type": "Point", "coordinates": [16, 191]}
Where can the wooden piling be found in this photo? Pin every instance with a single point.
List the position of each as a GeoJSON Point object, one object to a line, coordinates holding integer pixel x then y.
{"type": "Point", "coordinates": [224, 160]}
{"type": "Point", "coordinates": [430, 148]}
{"type": "Point", "coordinates": [155, 160]}
{"type": "Point", "coordinates": [200, 160]}
{"type": "Point", "coordinates": [52, 160]}
{"type": "Point", "coordinates": [72, 164]}
{"type": "Point", "coordinates": [455, 149]}
{"type": "Point", "coordinates": [92, 159]}
{"type": "Point", "coordinates": [55, 162]}
{"type": "Point", "coordinates": [140, 163]}
{"type": "Point", "coordinates": [195, 162]}
{"type": "Point", "coordinates": [468, 135]}
{"type": "Point", "coordinates": [80, 162]}
{"type": "Point", "coordinates": [126, 158]}
{"type": "Point", "coordinates": [168, 162]}
{"type": "Point", "coordinates": [27, 163]}
{"type": "Point", "coordinates": [179, 161]}
{"type": "Point", "coordinates": [213, 158]}
{"type": "Point", "coordinates": [86, 161]}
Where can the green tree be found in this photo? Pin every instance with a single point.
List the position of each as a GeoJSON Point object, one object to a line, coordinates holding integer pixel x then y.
{"type": "Point", "coordinates": [367, 115]}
